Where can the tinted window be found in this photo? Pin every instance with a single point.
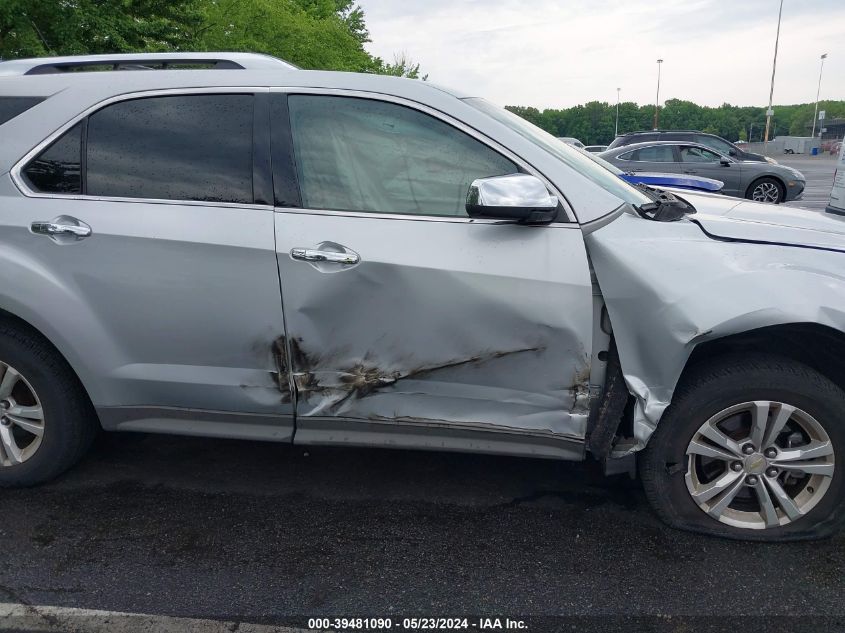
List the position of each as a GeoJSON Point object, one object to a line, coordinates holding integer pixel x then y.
{"type": "Point", "coordinates": [363, 155]}
{"type": "Point", "coordinates": [716, 143]}
{"type": "Point", "coordinates": [10, 107]}
{"type": "Point", "coordinates": [698, 155]}
{"type": "Point", "coordinates": [641, 138]}
{"type": "Point", "coordinates": [57, 168]}
{"type": "Point", "coordinates": [626, 156]}
{"type": "Point", "coordinates": [195, 147]}
{"type": "Point", "coordinates": [656, 154]}
{"type": "Point", "coordinates": [676, 136]}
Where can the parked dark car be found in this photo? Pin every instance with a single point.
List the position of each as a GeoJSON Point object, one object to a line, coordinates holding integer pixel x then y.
{"type": "Point", "coordinates": [659, 180]}
{"type": "Point", "coordinates": [691, 136]}
{"type": "Point", "coordinates": [754, 180]}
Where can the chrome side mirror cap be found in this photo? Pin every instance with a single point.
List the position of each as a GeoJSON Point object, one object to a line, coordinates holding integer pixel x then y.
{"type": "Point", "coordinates": [520, 198]}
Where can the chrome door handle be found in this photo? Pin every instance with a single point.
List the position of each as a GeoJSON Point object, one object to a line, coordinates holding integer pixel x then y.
{"type": "Point", "coordinates": [63, 226]}
{"type": "Point", "coordinates": [313, 255]}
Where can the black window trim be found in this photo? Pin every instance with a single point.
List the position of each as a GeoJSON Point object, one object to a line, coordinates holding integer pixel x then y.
{"type": "Point", "coordinates": [259, 163]}
{"type": "Point", "coordinates": [566, 218]}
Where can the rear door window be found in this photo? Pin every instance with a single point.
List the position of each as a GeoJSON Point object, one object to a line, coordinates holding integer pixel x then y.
{"type": "Point", "coordinates": [181, 147]}
{"type": "Point", "coordinates": [655, 154]}
{"type": "Point", "coordinates": [186, 147]}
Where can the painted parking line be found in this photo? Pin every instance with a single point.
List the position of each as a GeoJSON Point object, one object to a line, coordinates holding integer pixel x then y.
{"type": "Point", "coordinates": [25, 617]}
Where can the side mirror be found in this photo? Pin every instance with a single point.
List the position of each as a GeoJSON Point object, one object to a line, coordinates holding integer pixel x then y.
{"type": "Point", "coordinates": [726, 162]}
{"type": "Point", "coordinates": [518, 197]}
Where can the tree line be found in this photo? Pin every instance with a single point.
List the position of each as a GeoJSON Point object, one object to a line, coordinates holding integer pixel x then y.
{"type": "Point", "coordinates": [314, 34]}
{"type": "Point", "coordinates": [594, 123]}
{"type": "Point", "coordinates": [330, 35]}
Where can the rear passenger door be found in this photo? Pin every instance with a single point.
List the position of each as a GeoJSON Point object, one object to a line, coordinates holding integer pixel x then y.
{"type": "Point", "coordinates": [164, 288]}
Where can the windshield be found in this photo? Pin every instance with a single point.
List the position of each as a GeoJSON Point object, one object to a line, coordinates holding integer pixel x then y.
{"type": "Point", "coordinates": [582, 162]}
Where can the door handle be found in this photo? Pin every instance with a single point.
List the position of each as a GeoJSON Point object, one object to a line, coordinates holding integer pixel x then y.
{"type": "Point", "coordinates": [63, 226]}
{"type": "Point", "coordinates": [314, 255]}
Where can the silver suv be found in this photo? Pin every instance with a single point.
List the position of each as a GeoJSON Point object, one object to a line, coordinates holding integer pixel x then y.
{"type": "Point", "coordinates": [225, 245]}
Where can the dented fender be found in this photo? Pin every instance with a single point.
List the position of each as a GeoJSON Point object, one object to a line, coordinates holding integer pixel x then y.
{"type": "Point", "coordinates": [669, 287]}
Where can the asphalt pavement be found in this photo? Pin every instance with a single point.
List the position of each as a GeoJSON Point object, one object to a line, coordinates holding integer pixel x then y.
{"type": "Point", "coordinates": [819, 173]}
{"type": "Point", "coordinates": [262, 533]}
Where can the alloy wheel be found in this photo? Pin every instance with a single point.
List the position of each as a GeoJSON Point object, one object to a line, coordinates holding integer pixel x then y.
{"type": "Point", "coordinates": [766, 192]}
{"type": "Point", "coordinates": [21, 418]}
{"type": "Point", "coordinates": [759, 465]}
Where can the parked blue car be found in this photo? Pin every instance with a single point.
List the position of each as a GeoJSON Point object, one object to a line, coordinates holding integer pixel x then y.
{"type": "Point", "coordinates": [677, 181]}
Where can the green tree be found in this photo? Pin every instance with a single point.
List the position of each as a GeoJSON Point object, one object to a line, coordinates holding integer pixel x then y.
{"type": "Point", "coordinates": [31, 28]}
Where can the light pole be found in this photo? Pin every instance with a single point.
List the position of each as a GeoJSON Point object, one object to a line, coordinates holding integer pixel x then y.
{"type": "Point", "coordinates": [657, 99]}
{"type": "Point", "coordinates": [818, 91]}
{"type": "Point", "coordinates": [770, 112]}
{"type": "Point", "coordinates": [616, 133]}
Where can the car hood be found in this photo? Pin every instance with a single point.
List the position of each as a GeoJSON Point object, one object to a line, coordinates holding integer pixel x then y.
{"type": "Point", "coordinates": [722, 217]}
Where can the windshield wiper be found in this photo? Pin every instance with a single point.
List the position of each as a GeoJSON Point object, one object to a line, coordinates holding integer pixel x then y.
{"type": "Point", "coordinates": [667, 207]}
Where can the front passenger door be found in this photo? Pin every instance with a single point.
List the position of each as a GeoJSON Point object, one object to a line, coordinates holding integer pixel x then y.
{"type": "Point", "coordinates": [408, 323]}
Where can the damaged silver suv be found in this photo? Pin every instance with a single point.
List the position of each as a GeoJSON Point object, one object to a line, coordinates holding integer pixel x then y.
{"type": "Point", "coordinates": [225, 245]}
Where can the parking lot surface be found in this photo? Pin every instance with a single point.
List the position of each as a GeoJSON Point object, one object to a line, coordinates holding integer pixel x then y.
{"type": "Point", "coordinates": [259, 532]}
{"type": "Point", "coordinates": [819, 173]}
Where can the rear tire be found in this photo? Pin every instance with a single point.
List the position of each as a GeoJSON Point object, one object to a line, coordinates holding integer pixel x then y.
{"type": "Point", "coordinates": [672, 467]}
{"type": "Point", "coordinates": [47, 422]}
{"type": "Point", "coordinates": [766, 190]}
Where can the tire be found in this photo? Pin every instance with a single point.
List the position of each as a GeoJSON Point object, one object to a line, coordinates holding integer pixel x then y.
{"type": "Point", "coordinates": [766, 189]}
{"type": "Point", "coordinates": [670, 473]}
{"type": "Point", "coordinates": [40, 376]}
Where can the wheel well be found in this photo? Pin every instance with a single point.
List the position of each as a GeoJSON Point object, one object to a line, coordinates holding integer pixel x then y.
{"type": "Point", "coordinates": [817, 346]}
{"type": "Point", "coordinates": [18, 322]}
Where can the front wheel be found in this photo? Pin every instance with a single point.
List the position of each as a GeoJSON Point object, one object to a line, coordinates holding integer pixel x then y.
{"type": "Point", "coordinates": [766, 190]}
{"type": "Point", "coordinates": [750, 449]}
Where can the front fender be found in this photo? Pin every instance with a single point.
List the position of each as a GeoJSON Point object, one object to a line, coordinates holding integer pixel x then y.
{"type": "Point", "coordinates": [668, 288]}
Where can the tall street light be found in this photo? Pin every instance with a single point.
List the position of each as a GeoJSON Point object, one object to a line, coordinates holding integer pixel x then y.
{"type": "Point", "coordinates": [657, 99]}
{"type": "Point", "coordinates": [818, 91]}
{"type": "Point", "coordinates": [616, 133]}
{"type": "Point", "coordinates": [770, 112]}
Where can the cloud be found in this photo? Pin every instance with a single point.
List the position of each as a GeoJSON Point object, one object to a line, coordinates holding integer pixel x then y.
{"type": "Point", "coordinates": [553, 53]}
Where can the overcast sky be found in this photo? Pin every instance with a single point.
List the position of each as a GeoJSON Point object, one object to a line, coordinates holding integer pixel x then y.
{"type": "Point", "coordinates": [559, 53]}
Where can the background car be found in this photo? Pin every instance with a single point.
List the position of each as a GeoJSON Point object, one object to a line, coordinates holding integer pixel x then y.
{"type": "Point", "coordinates": [754, 180]}
{"type": "Point", "coordinates": [569, 140]}
{"type": "Point", "coordinates": [660, 180]}
{"type": "Point", "coordinates": [692, 136]}
{"type": "Point", "coordinates": [595, 149]}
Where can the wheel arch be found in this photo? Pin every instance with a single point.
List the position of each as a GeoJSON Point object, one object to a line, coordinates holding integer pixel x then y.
{"type": "Point", "coordinates": [818, 346]}
{"type": "Point", "coordinates": [7, 317]}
